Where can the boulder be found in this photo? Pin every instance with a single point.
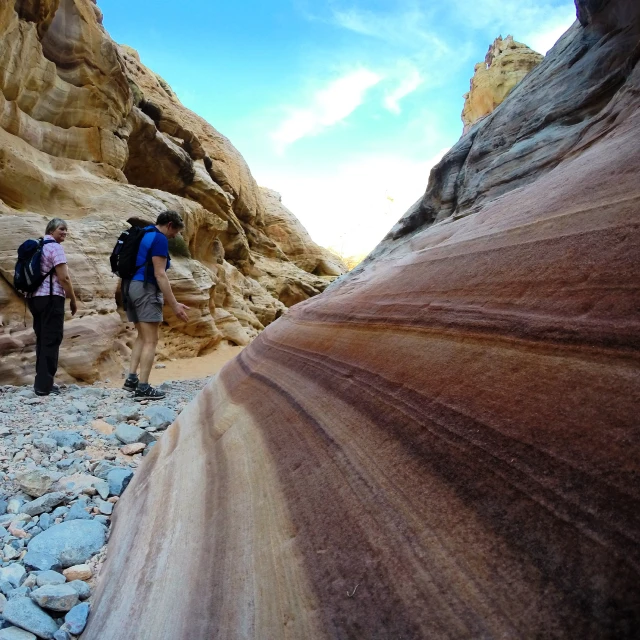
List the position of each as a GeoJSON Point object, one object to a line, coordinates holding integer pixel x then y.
{"type": "Point", "coordinates": [15, 633]}
{"type": "Point", "coordinates": [70, 543]}
{"type": "Point", "coordinates": [55, 597]}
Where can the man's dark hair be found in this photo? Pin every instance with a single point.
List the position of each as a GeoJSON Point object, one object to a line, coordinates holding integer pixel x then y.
{"type": "Point", "coordinates": [172, 217]}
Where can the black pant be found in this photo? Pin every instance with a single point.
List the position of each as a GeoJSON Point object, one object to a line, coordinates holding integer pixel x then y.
{"type": "Point", "coordinates": [48, 325]}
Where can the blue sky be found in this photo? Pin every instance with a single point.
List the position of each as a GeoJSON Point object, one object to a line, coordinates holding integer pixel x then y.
{"type": "Point", "coordinates": [342, 106]}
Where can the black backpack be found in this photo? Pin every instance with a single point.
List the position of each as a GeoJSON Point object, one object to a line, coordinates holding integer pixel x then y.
{"type": "Point", "coordinates": [125, 253]}
{"type": "Point", "coordinates": [27, 276]}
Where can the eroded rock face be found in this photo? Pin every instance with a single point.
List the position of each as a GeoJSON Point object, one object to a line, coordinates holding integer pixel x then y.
{"type": "Point", "coordinates": [89, 134]}
{"type": "Point", "coordinates": [507, 62]}
{"type": "Point", "coordinates": [444, 444]}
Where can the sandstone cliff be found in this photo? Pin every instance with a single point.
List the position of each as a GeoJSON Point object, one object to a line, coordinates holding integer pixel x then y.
{"type": "Point", "coordinates": [89, 134]}
{"type": "Point", "coordinates": [444, 444]}
{"type": "Point", "coordinates": [507, 62]}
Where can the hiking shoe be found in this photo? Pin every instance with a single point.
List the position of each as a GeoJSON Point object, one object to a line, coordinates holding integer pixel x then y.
{"type": "Point", "coordinates": [130, 384]}
{"type": "Point", "coordinates": [148, 394]}
{"type": "Point", "coordinates": [55, 389]}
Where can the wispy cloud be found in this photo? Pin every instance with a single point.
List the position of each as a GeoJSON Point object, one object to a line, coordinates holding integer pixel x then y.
{"type": "Point", "coordinates": [328, 106]}
{"type": "Point", "coordinates": [537, 24]}
{"type": "Point", "coordinates": [407, 25]}
{"type": "Point", "coordinates": [411, 80]}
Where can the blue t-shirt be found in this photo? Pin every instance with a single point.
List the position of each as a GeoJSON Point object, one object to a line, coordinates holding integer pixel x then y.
{"type": "Point", "coordinates": [153, 244]}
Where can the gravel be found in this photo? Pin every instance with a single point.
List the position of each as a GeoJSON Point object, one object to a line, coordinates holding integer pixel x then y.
{"type": "Point", "coordinates": [63, 468]}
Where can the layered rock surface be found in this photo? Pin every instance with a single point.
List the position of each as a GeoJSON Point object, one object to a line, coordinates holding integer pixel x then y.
{"type": "Point", "coordinates": [444, 444]}
{"type": "Point", "coordinates": [89, 134]}
{"type": "Point", "coordinates": [507, 62]}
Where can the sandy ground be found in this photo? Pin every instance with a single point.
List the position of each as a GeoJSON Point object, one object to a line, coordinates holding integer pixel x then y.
{"type": "Point", "coordinates": [189, 368]}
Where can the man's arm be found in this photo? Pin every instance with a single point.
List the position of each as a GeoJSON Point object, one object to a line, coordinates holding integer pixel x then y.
{"type": "Point", "coordinates": [62, 271]}
{"type": "Point", "coordinates": [159, 264]}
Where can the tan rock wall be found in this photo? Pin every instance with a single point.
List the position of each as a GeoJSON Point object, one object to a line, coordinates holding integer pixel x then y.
{"type": "Point", "coordinates": [89, 134]}
{"type": "Point", "coordinates": [507, 62]}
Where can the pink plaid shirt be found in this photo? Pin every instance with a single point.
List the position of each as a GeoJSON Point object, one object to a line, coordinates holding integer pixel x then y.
{"type": "Point", "coordinates": [52, 256]}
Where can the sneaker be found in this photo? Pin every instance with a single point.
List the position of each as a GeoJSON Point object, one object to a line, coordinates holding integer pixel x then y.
{"type": "Point", "coordinates": [41, 393]}
{"type": "Point", "coordinates": [148, 394]}
{"type": "Point", "coordinates": [130, 384]}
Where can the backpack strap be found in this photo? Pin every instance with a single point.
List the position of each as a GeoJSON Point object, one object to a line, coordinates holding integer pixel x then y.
{"type": "Point", "coordinates": [51, 271]}
{"type": "Point", "coordinates": [147, 262]}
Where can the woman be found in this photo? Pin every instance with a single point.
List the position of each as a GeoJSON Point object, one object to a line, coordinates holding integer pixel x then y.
{"type": "Point", "coordinates": [47, 307]}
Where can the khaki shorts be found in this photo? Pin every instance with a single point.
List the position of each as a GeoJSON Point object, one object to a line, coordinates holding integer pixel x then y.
{"type": "Point", "coordinates": [143, 302]}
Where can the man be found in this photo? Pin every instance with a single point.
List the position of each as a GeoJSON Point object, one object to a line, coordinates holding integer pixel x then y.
{"type": "Point", "coordinates": [47, 307]}
{"type": "Point", "coordinates": [144, 296]}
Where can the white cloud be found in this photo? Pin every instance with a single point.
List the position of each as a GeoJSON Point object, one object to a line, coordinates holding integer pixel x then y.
{"type": "Point", "coordinates": [328, 107]}
{"type": "Point", "coordinates": [356, 203]}
{"type": "Point", "coordinates": [543, 38]}
{"type": "Point", "coordinates": [408, 84]}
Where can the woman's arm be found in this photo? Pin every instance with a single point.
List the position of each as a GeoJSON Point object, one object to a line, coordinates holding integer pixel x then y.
{"type": "Point", "coordinates": [62, 272]}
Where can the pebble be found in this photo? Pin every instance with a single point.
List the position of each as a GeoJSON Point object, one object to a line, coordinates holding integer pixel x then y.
{"type": "Point", "coordinates": [127, 412]}
{"type": "Point", "coordinates": [130, 434]}
{"type": "Point", "coordinates": [78, 572]}
{"type": "Point", "coordinates": [160, 417]}
{"type": "Point", "coordinates": [79, 511]}
{"type": "Point", "coordinates": [104, 507]}
{"type": "Point", "coordinates": [76, 620]}
{"type": "Point", "coordinates": [118, 480]}
{"type": "Point", "coordinates": [69, 439]}
{"type": "Point", "coordinates": [13, 574]}
{"type": "Point", "coordinates": [132, 449]}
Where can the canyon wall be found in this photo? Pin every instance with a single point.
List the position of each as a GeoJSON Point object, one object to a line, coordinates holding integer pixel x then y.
{"type": "Point", "coordinates": [89, 134]}
{"type": "Point", "coordinates": [444, 444]}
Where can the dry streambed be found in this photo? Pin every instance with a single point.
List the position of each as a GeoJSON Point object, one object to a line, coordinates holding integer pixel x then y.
{"type": "Point", "coordinates": [65, 461]}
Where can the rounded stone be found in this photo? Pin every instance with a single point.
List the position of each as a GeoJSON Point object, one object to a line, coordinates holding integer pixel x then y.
{"type": "Point", "coordinates": [72, 542]}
